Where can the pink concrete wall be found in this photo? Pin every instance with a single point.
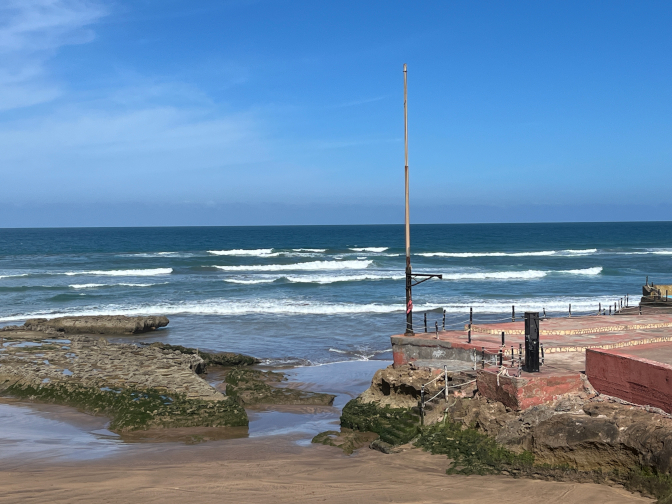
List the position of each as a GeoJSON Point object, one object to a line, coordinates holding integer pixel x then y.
{"type": "Point", "coordinates": [637, 380]}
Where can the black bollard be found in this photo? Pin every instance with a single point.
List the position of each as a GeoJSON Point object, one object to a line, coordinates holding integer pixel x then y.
{"type": "Point", "coordinates": [513, 356]}
{"type": "Point", "coordinates": [609, 309]}
{"type": "Point", "coordinates": [531, 342]}
{"type": "Point", "coordinates": [599, 310]}
{"type": "Point", "coordinates": [513, 313]}
{"type": "Point", "coordinates": [570, 309]}
{"type": "Point", "coordinates": [503, 338]}
{"type": "Point", "coordinates": [541, 345]}
{"type": "Point", "coordinates": [436, 327]}
{"type": "Point", "coordinates": [444, 320]}
{"type": "Point", "coordinates": [483, 357]}
{"type": "Point", "coordinates": [501, 358]}
{"type": "Point", "coordinates": [425, 321]}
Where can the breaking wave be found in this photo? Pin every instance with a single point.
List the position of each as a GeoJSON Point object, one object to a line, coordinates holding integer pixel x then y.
{"type": "Point", "coordinates": [242, 252]}
{"type": "Point", "coordinates": [559, 253]}
{"type": "Point", "coordinates": [129, 272]}
{"type": "Point", "coordinates": [310, 266]}
{"type": "Point", "coordinates": [95, 286]}
{"type": "Point", "coordinates": [369, 249]}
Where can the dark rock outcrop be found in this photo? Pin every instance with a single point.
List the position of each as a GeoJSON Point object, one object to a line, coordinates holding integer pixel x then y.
{"type": "Point", "coordinates": [102, 324]}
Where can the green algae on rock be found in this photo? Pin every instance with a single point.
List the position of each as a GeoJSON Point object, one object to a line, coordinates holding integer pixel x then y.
{"type": "Point", "coordinates": [227, 359]}
{"type": "Point", "coordinates": [251, 386]}
{"type": "Point", "coordinates": [134, 409]}
{"type": "Point", "coordinates": [347, 440]}
{"type": "Point", "coordinates": [394, 425]}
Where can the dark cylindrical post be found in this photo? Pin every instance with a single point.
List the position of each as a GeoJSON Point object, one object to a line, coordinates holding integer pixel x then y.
{"type": "Point", "coordinates": [609, 309]}
{"type": "Point", "coordinates": [436, 328]}
{"type": "Point", "coordinates": [520, 355]}
{"type": "Point", "coordinates": [513, 356]}
{"type": "Point", "coordinates": [513, 313]}
{"type": "Point", "coordinates": [443, 327]}
{"type": "Point", "coordinates": [501, 358]}
{"type": "Point", "coordinates": [615, 310]}
{"type": "Point", "coordinates": [541, 345]}
{"type": "Point", "coordinates": [483, 357]}
{"type": "Point", "coordinates": [599, 310]}
{"type": "Point", "coordinates": [471, 319]}
{"type": "Point", "coordinates": [503, 336]}
{"type": "Point", "coordinates": [425, 321]}
{"type": "Point", "coordinates": [570, 309]}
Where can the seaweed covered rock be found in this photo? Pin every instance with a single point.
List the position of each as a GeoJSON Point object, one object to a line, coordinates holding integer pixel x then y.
{"type": "Point", "coordinates": [251, 386]}
{"type": "Point", "coordinates": [136, 409]}
{"type": "Point", "coordinates": [394, 425]}
{"type": "Point", "coordinates": [347, 440]}
{"type": "Point", "coordinates": [227, 359]}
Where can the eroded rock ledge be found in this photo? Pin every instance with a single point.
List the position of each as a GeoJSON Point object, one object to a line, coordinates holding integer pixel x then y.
{"type": "Point", "coordinates": [100, 324]}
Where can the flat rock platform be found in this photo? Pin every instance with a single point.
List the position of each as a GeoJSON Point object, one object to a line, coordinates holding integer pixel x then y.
{"type": "Point", "coordinates": [644, 341]}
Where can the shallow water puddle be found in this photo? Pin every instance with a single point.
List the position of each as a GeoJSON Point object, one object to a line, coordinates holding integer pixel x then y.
{"type": "Point", "coordinates": [53, 432]}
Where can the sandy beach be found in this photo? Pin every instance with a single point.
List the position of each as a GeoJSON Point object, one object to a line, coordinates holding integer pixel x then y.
{"type": "Point", "coordinates": [276, 469]}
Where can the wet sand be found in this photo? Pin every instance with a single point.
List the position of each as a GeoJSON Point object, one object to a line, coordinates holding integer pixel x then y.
{"type": "Point", "coordinates": [51, 453]}
{"type": "Point", "coordinates": [276, 469]}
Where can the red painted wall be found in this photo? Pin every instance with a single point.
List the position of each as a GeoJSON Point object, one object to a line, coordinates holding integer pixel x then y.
{"type": "Point", "coordinates": [640, 381]}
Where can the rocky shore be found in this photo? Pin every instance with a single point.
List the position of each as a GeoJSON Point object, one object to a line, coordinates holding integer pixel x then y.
{"type": "Point", "coordinates": [583, 436]}
{"type": "Point", "coordinates": [138, 387]}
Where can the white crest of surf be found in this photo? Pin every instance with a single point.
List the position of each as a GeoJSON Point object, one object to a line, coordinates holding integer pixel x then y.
{"type": "Point", "coordinates": [242, 252]}
{"type": "Point", "coordinates": [129, 272]}
{"type": "Point", "coordinates": [518, 275]}
{"type": "Point", "coordinates": [369, 249]}
{"type": "Point", "coordinates": [542, 253]}
{"type": "Point", "coordinates": [317, 251]}
{"type": "Point", "coordinates": [223, 307]}
{"type": "Point", "coordinates": [95, 286]}
{"type": "Point", "coordinates": [14, 276]}
{"type": "Point", "coordinates": [328, 279]}
{"type": "Point", "coordinates": [251, 281]}
{"type": "Point", "coordinates": [310, 266]}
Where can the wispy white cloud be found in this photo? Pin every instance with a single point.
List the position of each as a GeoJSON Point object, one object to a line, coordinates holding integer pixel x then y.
{"type": "Point", "coordinates": [31, 32]}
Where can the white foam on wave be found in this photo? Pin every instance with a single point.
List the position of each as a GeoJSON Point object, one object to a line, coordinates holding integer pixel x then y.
{"type": "Point", "coordinates": [317, 251]}
{"type": "Point", "coordinates": [328, 279]}
{"type": "Point", "coordinates": [129, 272]}
{"type": "Point", "coordinates": [369, 249]}
{"type": "Point", "coordinates": [14, 276]}
{"type": "Point", "coordinates": [95, 286]}
{"type": "Point", "coordinates": [227, 307]}
{"type": "Point", "coordinates": [586, 271]}
{"type": "Point", "coordinates": [518, 275]}
{"type": "Point", "coordinates": [158, 254]}
{"type": "Point", "coordinates": [242, 252]}
{"type": "Point", "coordinates": [541, 253]}
{"type": "Point", "coordinates": [310, 266]}
{"type": "Point", "coordinates": [250, 281]}
{"type": "Point", "coordinates": [223, 307]}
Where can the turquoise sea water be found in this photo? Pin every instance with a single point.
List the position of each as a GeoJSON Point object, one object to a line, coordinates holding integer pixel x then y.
{"type": "Point", "coordinates": [316, 294]}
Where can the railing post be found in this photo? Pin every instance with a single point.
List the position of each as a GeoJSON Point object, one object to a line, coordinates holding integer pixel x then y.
{"type": "Point", "coordinates": [513, 313]}
{"type": "Point", "coordinates": [425, 321]}
{"type": "Point", "coordinates": [443, 327]}
{"type": "Point", "coordinates": [445, 379]}
{"type": "Point", "coordinates": [436, 327]}
{"type": "Point", "coordinates": [503, 337]}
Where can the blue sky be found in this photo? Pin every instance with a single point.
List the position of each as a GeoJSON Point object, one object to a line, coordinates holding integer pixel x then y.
{"type": "Point", "coordinates": [276, 112]}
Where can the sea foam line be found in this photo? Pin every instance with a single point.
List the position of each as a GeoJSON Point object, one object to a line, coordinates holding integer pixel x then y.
{"type": "Point", "coordinates": [129, 272]}
{"type": "Point", "coordinates": [369, 249]}
{"type": "Point", "coordinates": [542, 253]}
{"type": "Point", "coordinates": [310, 266]}
{"type": "Point", "coordinates": [95, 285]}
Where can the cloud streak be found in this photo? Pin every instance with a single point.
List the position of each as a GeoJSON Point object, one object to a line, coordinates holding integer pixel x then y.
{"type": "Point", "coordinates": [32, 32]}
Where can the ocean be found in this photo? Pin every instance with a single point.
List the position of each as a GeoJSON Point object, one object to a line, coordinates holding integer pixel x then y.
{"type": "Point", "coordinates": [309, 295]}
